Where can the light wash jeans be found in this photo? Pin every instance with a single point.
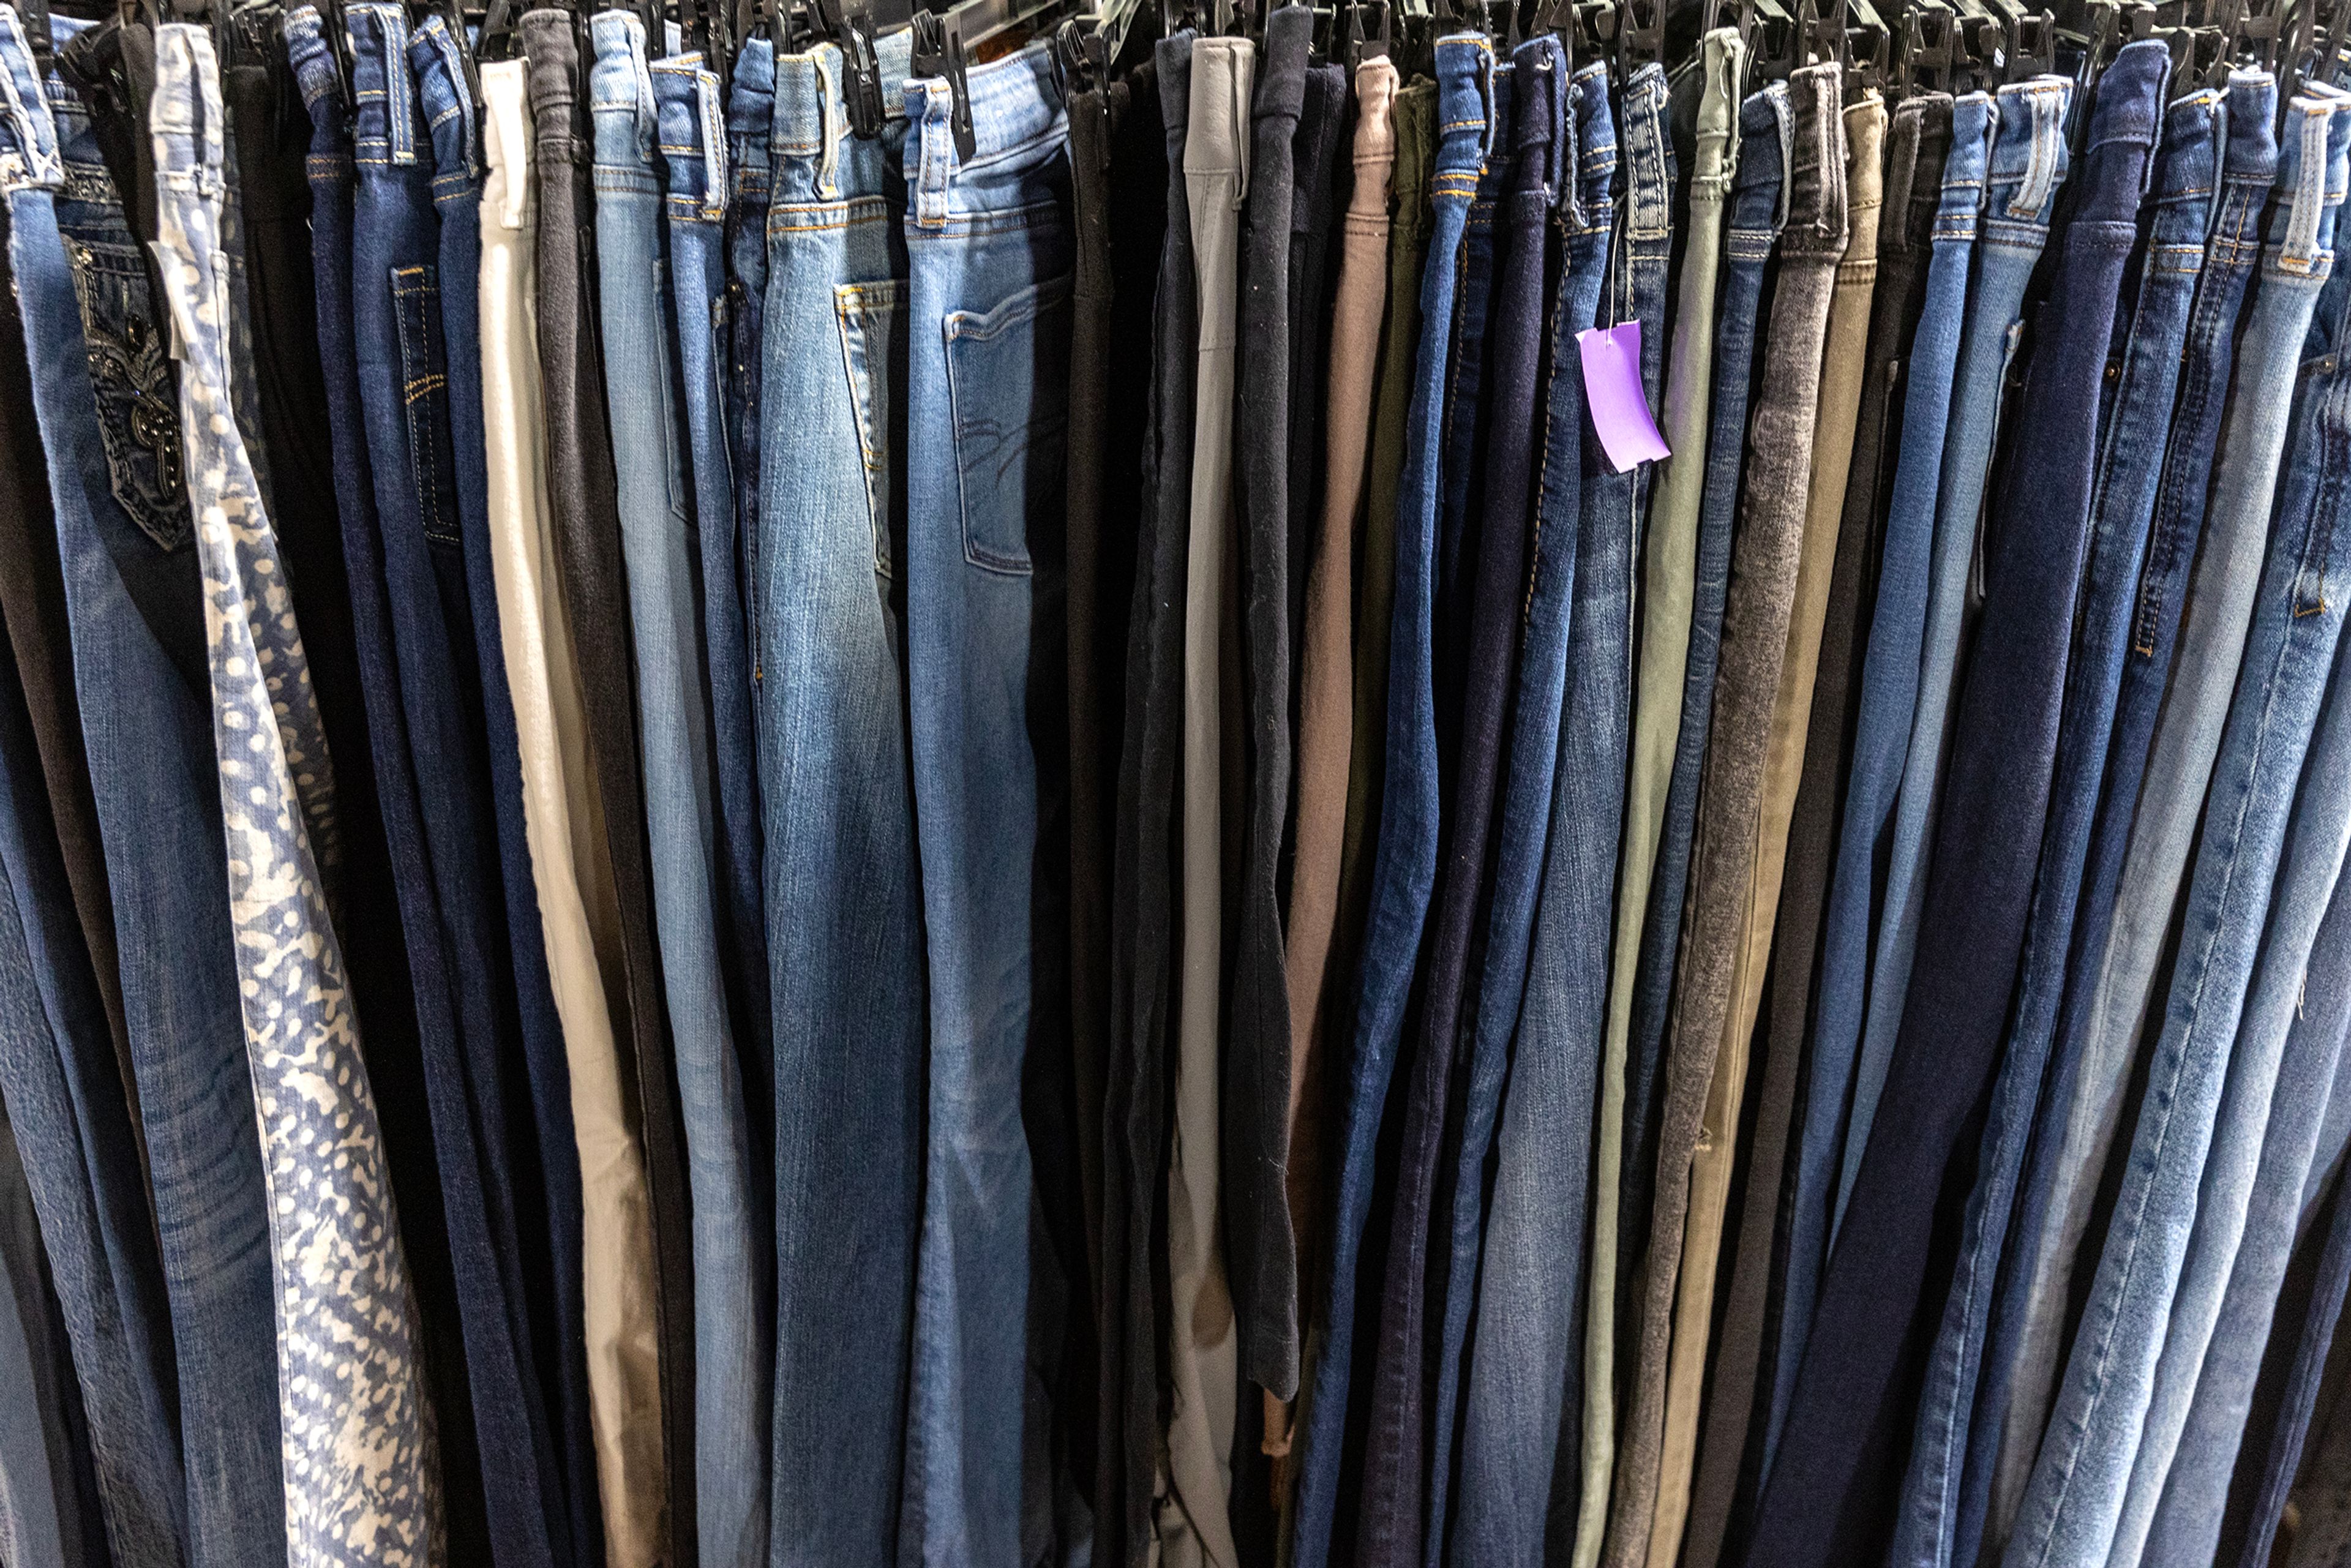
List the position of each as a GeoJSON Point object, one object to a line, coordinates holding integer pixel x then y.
{"type": "Point", "coordinates": [356, 1436]}
{"type": "Point", "coordinates": [2084, 1504]}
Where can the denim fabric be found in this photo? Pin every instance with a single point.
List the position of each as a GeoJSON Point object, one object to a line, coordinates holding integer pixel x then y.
{"type": "Point", "coordinates": [658, 543]}
{"type": "Point", "coordinates": [486, 1233]}
{"type": "Point", "coordinates": [841, 897]}
{"type": "Point", "coordinates": [1404, 870]}
{"type": "Point", "coordinates": [2081, 1504]}
{"type": "Point", "coordinates": [44, 1462]}
{"type": "Point", "coordinates": [1491, 554]}
{"type": "Point", "coordinates": [1255, 1080]}
{"type": "Point", "coordinates": [751, 123]}
{"type": "Point", "coordinates": [355, 1428]}
{"type": "Point", "coordinates": [2090, 1065]}
{"type": "Point", "coordinates": [1942, 1523]}
{"type": "Point", "coordinates": [1142, 956]}
{"type": "Point", "coordinates": [66, 1113]}
{"type": "Point", "coordinates": [1881, 739]}
{"type": "Point", "coordinates": [2278, 1076]}
{"type": "Point", "coordinates": [2029, 152]}
{"type": "Point", "coordinates": [1526, 1290]}
{"type": "Point", "coordinates": [1726, 858]}
{"type": "Point", "coordinates": [1547, 112]}
{"type": "Point", "coordinates": [123, 527]}
{"type": "Point", "coordinates": [1766, 131]}
{"type": "Point", "coordinates": [988, 252]}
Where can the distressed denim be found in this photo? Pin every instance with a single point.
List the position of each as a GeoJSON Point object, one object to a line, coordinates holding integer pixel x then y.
{"type": "Point", "coordinates": [1404, 867]}
{"type": "Point", "coordinates": [131, 588]}
{"type": "Point", "coordinates": [658, 544]}
{"type": "Point", "coordinates": [2029, 161]}
{"type": "Point", "coordinates": [843, 901]}
{"type": "Point", "coordinates": [355, 1430]}
{"type": "Point", "coordinates": [2279, 1070]}
{"type": "Point", "coordinates": [2079, 1504]}
{"type": "Point", "coordinates": [989, 246]}
{"type": "Point", "coordinates": [1523, 1287]}
{"type": "Point", "coordinates": [2090, 1066]}
{"type": "Point", "coordinates": [1936, 1527]}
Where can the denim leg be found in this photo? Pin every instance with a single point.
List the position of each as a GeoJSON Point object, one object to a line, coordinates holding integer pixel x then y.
{"type": "Point", "coordinates": [844, 924]}
{"type": "Point", "coordinates": [2078, 1505]}
{"type": "Point", "coordinates": [1404, 868]}
{"type": "Point", "coordinates": [123, 534]}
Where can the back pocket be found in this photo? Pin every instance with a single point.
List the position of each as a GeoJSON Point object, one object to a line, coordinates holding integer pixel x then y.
{"type": "Point", "coordinates": [424, 400]}
{"type": "Point", "coordinates": [874, 351]}
{"type": "Point", "coordinates": [137, 390]}
{"type": "Point", "coordinates": [1007, 386]}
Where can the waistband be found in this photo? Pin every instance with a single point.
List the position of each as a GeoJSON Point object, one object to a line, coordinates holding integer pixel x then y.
{"type": "Point", "coordinates": [1722, 56]}
{"type": "Point", "coordinates": [1172, 56]}
{"type": "Point", "coordinates": [29, 160]}
{"type": "Point", "coordinates": [1281, 91]}
{"type": "Point", "coordinates": [1590, 190]}
{"type": "Point", "coordinates": [1464, 99]}
{"type": "Point", "coordinates": [621, 86]}
{"type": "Point", "coordinates": [2252, 110]}
{"type": "Point", "coordinates": [693, 132]}
{"type": "Point", "coordinates": [1918, 138]}
{"type": "Point", "coordinates": [1864, 179]}
{"type": "Point", "coordinates": [1648, 181]}
{"type": "Point", "coordinates": [1539, 161]}
{"type": "Point", "coordinates": [1501, 140]}
{"type": "Point", "coordinates": [1759, 193]}
{"type": "Point", "coordinates": [2310, 181]}
{"type": "Point", "coordinates": [1375, 142]}
{"type": "Point", "coordinates": [506, 144]}
{"type": "Point", "coordinates": [1015, 103]}
{"type": "Point", "coordinates": [751, 92]}
{"type": "Point", "coordinates": [447, 97]}
{"type": "Point", "coordinates": [550, 47]}
{"type": "Point", "coordinates": [2187, 180]}
{"type": "Point", "coordinates": [1974, 117]}
{"type": "Point", "coordinates": [387, 121]}
{"type": "Point", "coordinates": [187, 118]}
{"type": "Point", "coordinates": [1215, 136]}
{"type": "Point", "coordinates": [2029, 157]}
{"type": "Point", "coordinates": [1815, 206]}
{"type": "Point", "coordinates": [2126, 116]}
{"type": "Point", "coordinates": [813, 155]}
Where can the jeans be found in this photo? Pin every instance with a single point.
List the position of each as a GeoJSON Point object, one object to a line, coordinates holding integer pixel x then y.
{"type": "Point", "coordinates": [488, 1226]}
{"type": "Point", "coordinates": [346, 1333]}
{"type": "Point", "coordinates": [988, 253]}
{"type": "Point", "coordinates": [841, 895]}
{"type": "Point", "coordinates": [2090, 1065]}
{"type": "Point", "coordinates": [659, 547]}
{"type": "Point", "coordinates": [2279, 1074]}
{"type": "Point", "coordinates": [1404, 870]}
{"type": "Point", "coordinates": [1733, 813]}
{"type": "Point", "coordinates": [1943, 1499]}
{"type": "Point", "coordinates": [123, 531]}
{"type": "Point", "coordinates": [2081, 1504]}
{"type": "Point", "coordinates": [1525, 1289]}
{"type": "Point", "coordinates": [2029, 152]}
{"type": "Point", "coordinates": [46, 1464]}
{"type": "Point", "coordinates": [71, 1124]}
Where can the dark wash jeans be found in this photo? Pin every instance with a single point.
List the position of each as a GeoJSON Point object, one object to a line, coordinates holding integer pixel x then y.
{"type": "Point", "coordinates": [131, 592]}
{"type": "Point", "coordinates": [582, 491]}
{"type": "Point", "coordinates": [518, 1453]}
{"type": "Point", "coordinates": [1941, 1522]}
{"type": "Point", "coordinates": [1143, 885]}
{"type": "Point", "coordinates": [1522, 1280]}
{"type": "Point", "coordinates": [1405, 868]}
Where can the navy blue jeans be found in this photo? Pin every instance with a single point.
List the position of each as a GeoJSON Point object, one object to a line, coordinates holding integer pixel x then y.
{"type": "Point", "coordinates": [1404, 868]}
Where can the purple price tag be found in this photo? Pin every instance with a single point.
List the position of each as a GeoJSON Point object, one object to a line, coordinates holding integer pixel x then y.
{"type": "Point", "coordinates": [1612, 390]}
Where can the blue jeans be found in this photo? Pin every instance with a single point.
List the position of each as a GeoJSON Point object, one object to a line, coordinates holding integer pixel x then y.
{"type": "Point", "coordinates": [1579, 185]}
{"type": "Point", "coordinates": [1938, 1527]}
{"type": "Point", "coordinates": [1889, 697]}
{"type": "Point", "coordinates": [2081, 1104]}
{"type": "Point", "coordinates": [124, 533]}
{"type": "Point", "coordinates": [988, 248]}
{"type": "Point", "coordinates": [1404, 864]}
{"type": "Point", "coordinates": [46, 1464]}
{"type": "Point", "coordinates": [491, 1226]}
{"type": "Point", "coordinates": [658, 542]}
{"type": "Point", "coordinates": [2086, 1498]}
{"type": "Point", "coordinates": [2027, 164]}
{"type": "Point", "coordinates": [845, 949]}
{"type": "Point", "coordinates": [2279, 1076]}
{"type": "Point", "coordinates": [65, 1107]}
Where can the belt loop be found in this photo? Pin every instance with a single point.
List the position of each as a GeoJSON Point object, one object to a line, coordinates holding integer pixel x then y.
{"type": "Point", "coordinates": [714, 140]}
{"type": "Point", "coordinates": [823, 60]}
